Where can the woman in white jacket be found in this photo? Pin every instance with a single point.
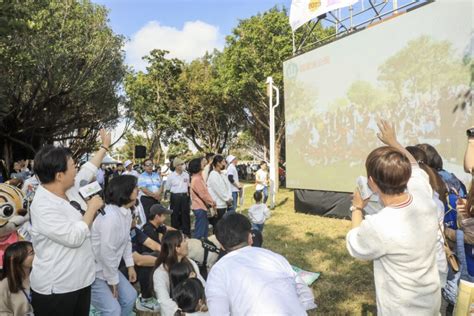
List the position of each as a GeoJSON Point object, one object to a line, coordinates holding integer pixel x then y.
{"type": "Point", "coordinates": [218, 186]}
{"type": "Point", "coordinates": [174, 249]}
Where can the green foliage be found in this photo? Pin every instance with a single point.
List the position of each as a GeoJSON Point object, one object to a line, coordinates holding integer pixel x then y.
{"type": "Point", "coordinates": [208, 117]}
{"type": "Point", "coordinates": [60, 68]}
{"type": "Point", "coordinates": [153, 99]}
{"type": "Point", "coordinates": [255, 50]}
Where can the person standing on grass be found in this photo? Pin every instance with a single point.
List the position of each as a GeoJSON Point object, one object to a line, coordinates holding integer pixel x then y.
{"type": "Point", "coordinates": [201, 200]}
{"type": "Point", "coordinates": [259, 212]}
{"type": "Point", "coordinates": [150, 184]}
{"type": "Point", "coordinates": [219, 187]}
{"type": "Point", "coordinates": [401, 238]}
{"type": "Point", "coordinates": [233, 177]}
{"type": "Point", "coordinates": [178, 185]}
{"type": "Point", "coordinates": [261, 180]}
{"type": "Point", "coordinates": [63, 267]}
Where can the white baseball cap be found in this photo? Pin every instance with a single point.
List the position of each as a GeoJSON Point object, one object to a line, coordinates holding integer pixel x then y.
{"type": "Point", "coordinates": [230, 158]}
{"type": "Point", "coordinates": [127, 163]}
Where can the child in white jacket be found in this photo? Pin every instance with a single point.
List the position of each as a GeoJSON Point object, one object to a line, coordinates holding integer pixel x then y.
{"type": "Point", "coordinates": [259, 212]}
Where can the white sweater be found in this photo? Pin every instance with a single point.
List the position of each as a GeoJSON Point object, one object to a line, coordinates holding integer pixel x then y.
{"type": "Point", "coordinates": [401, 240]}
{"type": "Point", "coordinates": [161, 285]}
{"type": "Point", "coordinates": [219, 188]}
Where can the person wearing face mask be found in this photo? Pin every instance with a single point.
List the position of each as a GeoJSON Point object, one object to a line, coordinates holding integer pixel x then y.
{"type": "Point", "coordinates": [112, 293]}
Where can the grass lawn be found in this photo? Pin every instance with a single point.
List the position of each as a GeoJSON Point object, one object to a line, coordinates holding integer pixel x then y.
{"type": "Point", "coordinates": [317, 244]}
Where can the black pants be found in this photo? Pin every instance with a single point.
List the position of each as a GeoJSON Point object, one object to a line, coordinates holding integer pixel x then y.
{"type": "Point", "coordinates": [147, 203]}
{"type": "Point", "coordinates": [214, 220]}
{"type": "Point", "coordinates": [179, 203]}
{"type": "Point", "coordinates": [75, 303]}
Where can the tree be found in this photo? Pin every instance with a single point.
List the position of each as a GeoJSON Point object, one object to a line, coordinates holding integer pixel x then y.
{"type": "Point", "coordinates": [208, 117]}
{"type": "Point", "coordinates": [60, 68]}
{"type": "Point", "coordinates": [255, 50]}
{"type": "Point", "coordinates": [153, 99]}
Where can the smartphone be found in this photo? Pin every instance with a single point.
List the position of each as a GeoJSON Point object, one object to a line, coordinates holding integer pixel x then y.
{"type": "Point", "coordinates": [363, 188]}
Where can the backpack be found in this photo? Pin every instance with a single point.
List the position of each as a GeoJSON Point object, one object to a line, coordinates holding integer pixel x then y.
{"type": "Point", "coordinates": [456, 189]}
{"type": "Point", "coordinates": [208, 246]}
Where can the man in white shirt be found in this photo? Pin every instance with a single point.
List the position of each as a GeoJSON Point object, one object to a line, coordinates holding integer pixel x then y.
{"type": "Point", "coordinates": [178, 184]}
{"type": "Point", "coordinates": [129, 169]}
{"type": "Point", "coordinates": [63, 266]}
{"type": "Point", "coordinates": [261, 180]}
{"type": "Point", "coordinates": [401, 238]}
{"type": "Point", "coordinates": [233, 176]}
{"type": "Point", "coordinates": [251, 280]}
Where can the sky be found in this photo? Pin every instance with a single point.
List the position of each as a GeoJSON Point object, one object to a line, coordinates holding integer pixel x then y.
{"type": "Point", "coordinates": [186, 28]}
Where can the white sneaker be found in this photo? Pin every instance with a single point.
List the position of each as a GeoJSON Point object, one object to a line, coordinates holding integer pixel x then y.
{"type": "Point", "coordinates": [147, 304]}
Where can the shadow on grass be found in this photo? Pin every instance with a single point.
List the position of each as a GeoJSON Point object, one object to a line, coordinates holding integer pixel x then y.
{"type": "Point", "coordinates": [345, 285]}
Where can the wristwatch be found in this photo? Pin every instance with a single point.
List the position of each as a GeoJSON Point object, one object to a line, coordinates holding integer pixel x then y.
{"type": "Point", "coordinates": [354, 208]}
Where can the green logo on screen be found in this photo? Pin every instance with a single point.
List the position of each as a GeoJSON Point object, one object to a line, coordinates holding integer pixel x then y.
{"type": "Point", "coordinates": [291, 71]}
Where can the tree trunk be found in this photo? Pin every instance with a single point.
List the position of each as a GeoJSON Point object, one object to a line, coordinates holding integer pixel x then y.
{"type": "Point", "coordinates": [7, 155]}
{"type": "Point", "coordinates": [155, 148]}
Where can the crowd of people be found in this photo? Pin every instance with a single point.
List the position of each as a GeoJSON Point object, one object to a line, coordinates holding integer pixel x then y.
{"type": "Point", "coordinates": [114, 253]}
{"type": "Point", "coordinates": [82, 254]}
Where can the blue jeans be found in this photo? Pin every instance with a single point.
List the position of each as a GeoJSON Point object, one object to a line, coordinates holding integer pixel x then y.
{"type": "Point", "coordinates": [258, 227]}
{"type": "Point", "coordinates": [103, 300]}
{"type": "Point", "coordinates": [265, 194]}
{"type": "Point", "coordinates": [235, 198]}
{"type": "Point", "coordinates": [201, 226]}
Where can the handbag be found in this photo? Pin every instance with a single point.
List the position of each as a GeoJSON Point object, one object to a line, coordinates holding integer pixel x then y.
{"type": "Point", "coordinates": [211, 211]}
{"type": "Point", "coordinates": [451, 257]}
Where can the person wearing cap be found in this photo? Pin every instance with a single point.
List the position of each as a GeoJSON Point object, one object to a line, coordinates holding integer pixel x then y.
{"type": "Point", "coordinates": [178, 185]}
{"type": "Point", "coordinates": [129, 169]}
{"type": "Point", "coordinates": [155, 225]}
{"type": "Point", "coordinates": [233, 176]}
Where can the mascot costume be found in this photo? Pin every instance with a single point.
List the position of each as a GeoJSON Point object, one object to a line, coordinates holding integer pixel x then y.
{"type": "Point", "coordinates": [13, 214]}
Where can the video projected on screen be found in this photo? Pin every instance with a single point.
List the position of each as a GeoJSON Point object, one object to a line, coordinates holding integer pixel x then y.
{"type": "Point", "coordinates": [413, 70]}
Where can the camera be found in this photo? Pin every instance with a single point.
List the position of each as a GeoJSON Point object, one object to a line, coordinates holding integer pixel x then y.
{"type": "Point", "coordinates": [470, 132]}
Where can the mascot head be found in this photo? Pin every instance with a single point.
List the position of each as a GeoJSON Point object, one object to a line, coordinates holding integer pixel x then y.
{"type": "Point", "coordinates": [13, 209]}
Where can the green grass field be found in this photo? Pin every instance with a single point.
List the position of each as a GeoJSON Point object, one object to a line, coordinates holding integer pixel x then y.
{"type": "Point", "coordinates": [317, 244]}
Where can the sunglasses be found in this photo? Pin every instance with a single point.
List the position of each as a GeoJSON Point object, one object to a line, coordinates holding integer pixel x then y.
{"type": "Point", "coordinates": [148, 165]}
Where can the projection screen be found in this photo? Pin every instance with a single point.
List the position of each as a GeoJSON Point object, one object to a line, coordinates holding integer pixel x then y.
{"type": "Point", "coordinates": [413, 70]}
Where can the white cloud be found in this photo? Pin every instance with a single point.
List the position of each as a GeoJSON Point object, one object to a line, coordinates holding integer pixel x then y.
{"type": "Point", "coordinates": [192, 41]}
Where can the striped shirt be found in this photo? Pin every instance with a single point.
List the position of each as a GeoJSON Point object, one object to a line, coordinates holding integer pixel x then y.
{"type": "Point", "coordinates": [151, 182]}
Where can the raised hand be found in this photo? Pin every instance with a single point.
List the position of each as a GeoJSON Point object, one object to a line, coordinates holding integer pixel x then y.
{"type": "Point", "coordinates": [387, 133]}
{"type": "Point", "coordinates": [105, 137]}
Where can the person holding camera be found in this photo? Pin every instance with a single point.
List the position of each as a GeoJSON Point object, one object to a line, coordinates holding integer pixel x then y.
{"type": "Point", "coordinates": [401, 238]}
{"type": "Point", "coordinates": [63, 266]}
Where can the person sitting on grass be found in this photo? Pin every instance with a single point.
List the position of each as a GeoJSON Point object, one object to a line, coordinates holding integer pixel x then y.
{"type": "Point", "coordinates": [401, 238]}
{"type": "Point", "coordinates": [189, 295]}
{"type": "Point", "coordinates": [156, 224]}
{"type": "Point", "coordinates": [252, 280]}
{"type": "Point", "coordinates": [15, 297]}
{"type": "Point", "coordinates": [258, 212]}
{"type": "Point", "coordinates": [174, 249]}
{"type": "Point", "coordinates": [180, 272]}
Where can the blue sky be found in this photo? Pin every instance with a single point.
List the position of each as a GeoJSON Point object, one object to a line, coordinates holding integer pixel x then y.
{"type": "Point", "coordinates": [187, 28]}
